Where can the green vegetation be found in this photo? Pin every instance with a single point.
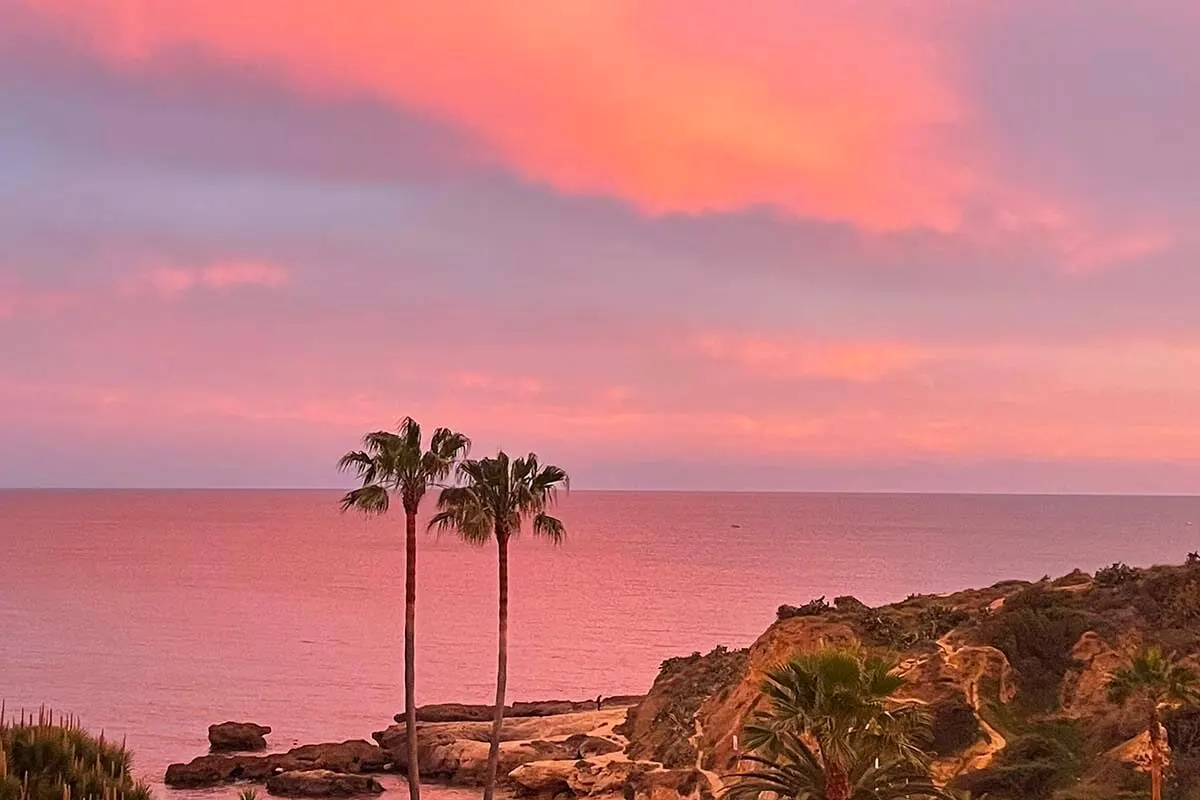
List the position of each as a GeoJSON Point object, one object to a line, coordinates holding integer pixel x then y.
{"type": "Point", "coordinates": [1031, 767]}
{"type": "Point", "coordinates": [1183, 732]}
{"type": "Point", "coordinates": [918, 619]}
{"type": "Point", "coordinates": [44, 759]}
{"type": "Point", "coordinates": [832, 731]}
{"type": "Point", "coordinates": [398, 464]}
{"type": "Point", "coordinates": [1116, 575]}
{"type": "Point", "coordinates": [1037, 629]}
{"type": "Point", "coordinates": [953, 727]}
{"type": "Point", "coordinates": [493, 499]}
{"type": "Point", "coordinates": [813, 608]}
{"type": "Point", "coordinates": [1152, 681]}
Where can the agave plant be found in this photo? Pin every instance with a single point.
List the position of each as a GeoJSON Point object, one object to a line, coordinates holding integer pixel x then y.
{"type": "Point", "coordinates": [45, 757]}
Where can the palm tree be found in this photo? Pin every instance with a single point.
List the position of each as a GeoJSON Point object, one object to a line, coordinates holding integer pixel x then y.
{"type": "Point", "coordinates": [492, 500]}
{"type": "Point", "coordinates": [397, 464]}
{"type": "Point", "coordinates": [832, 730]}
{"type": "Point", "coordinates": [1154, 680]}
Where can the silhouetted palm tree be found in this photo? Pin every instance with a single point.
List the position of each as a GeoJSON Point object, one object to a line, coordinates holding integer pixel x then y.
{"type": "Point", "coordinates": [832, 731]}
{"type": "Point", "coordinates": [397, 464]}
{"type": "Point", "coordinates": [492, 501]}
{"type": "Point", "coordinates": [1154, 680]}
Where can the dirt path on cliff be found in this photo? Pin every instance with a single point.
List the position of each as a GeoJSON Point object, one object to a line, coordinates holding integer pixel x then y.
{"type": "Point", "coordinates": [981, 754]}
{"type": "Point", "coordinates": [714, 780]}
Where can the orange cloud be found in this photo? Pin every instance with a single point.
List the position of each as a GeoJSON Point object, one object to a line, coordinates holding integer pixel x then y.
{"type": "Point", "coordinates": [622, 98]}
{"type": "Point", "coordinates": [835, 111]}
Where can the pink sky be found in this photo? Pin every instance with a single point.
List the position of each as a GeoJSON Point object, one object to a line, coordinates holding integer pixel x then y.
{"type": "Point", "coordinates": [925, 246]}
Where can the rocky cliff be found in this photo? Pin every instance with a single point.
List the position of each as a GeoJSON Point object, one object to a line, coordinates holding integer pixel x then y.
{"type": "Point", "coordinates": [1014, 677]}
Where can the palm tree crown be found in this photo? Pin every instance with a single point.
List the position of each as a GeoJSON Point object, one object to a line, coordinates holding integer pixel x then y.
{"type": "Point", "coordinates": [832, 730]}
{"type": "Point", "coordinates": [1156, 679]}
{"type": "Point", "coordinates": [491, 502]}
{"type": "Point", "coordinates": [396, 463]}
{"type": "Point", "coordinates": [495, 496]}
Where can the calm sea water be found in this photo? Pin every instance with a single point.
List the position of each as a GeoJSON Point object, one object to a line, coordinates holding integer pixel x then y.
{"type": "Point", "coordinates": [153, 614]}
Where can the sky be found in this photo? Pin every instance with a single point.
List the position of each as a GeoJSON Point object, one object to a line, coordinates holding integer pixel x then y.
{"type": "Point", "coordinates": [928, 245]}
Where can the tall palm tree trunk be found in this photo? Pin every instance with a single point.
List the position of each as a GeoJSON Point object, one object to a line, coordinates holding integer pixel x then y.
{"type": "Point", "coordinates": [489, 787]}
{"type": "Point", "coordinates": [410, 650]}
{"type": "Point", "coordinates": [837, 782]}
{"type": "Point", "coordinates": [1156, 765]}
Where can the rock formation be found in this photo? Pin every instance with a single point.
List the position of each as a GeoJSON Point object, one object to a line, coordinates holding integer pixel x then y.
{"type": "Point", "coordinates": [213, 770]}
{"type": "Point", "coordinates": [1014, 677]}
{"type": "Point", "coordinates": [235, 736]}
{"type": "Point", "coordinates": [457, 752]}
{"type": "Point", "coordinates": [322, 783]}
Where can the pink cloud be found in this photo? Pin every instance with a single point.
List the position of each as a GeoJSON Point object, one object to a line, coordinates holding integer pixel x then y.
{"type": "Point", "coordinates": [242, 273]}
{"type": "Point", "coordinates": [17, 300]}
{"type": "Point", "coordinates": [842, 360]}
{"type": "Point", "coordinates": [838, 112]}
{"type": "Point", "coordinates": [170, 281]}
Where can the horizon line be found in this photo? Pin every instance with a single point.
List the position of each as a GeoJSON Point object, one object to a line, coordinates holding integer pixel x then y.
{"type": "Point", "coordinates": [847, 492]}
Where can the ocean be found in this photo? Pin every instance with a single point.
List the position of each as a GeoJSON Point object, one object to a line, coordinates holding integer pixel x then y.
{"type": "Point", "coordinates": [153, 614]}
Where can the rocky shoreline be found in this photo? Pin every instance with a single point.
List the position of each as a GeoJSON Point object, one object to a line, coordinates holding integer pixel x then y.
{"type": "Point", "coordinates": [1013, 677]}
{"type": "Point", "coordinates": [548, 749]}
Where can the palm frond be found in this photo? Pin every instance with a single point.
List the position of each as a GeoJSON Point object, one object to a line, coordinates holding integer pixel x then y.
{"type": "Point", "coordinates": [549, 527]}
{"type": "Point", "coordinates": [835, 707]}
{"type": "Point", "coordinates": [494, 496]}
{"type": "Point", "coordinates": [372, 499]}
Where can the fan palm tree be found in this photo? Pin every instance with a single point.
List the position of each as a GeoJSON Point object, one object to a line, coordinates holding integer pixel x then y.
{"type": "Point", "coordinates": [831, 730]}
{"type": "Point", "coordinates": [1153, 681]}
{"type": "Point", "coordinates": [396, 464]}
{"type": "Point", "coordinates": [493, 499]}
{"type": "Point", "coordinates": [799, 772]}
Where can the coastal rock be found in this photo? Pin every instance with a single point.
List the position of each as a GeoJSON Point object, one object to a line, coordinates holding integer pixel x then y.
{"type": "Point", "coordinates": [607, 778]}
{"type": "Point", "coordinates": [208, 771]}
{"type": "Point", "coordinates": [721, 716]}
{"type": "Point", "coordinates": [544, 777]}
{"type": "Point", "coordinates": [234, 736]}
{"type": "Point", "coordinates": [395, 739]}
{"type": "Point", "coordinates": [322, 783]}
{"type": "Point", "coordinates": [457, 752]}
{"type": "Point", "coordinates": [460, 712]}
{"type": "Point", "coordinates": [212, 770]}
{"type": "Point", "coordinates": [1085, 689]}
{"type": "Point", "coordinates": [669, 784]}
{"type": "Point", "coordinates": [352, 756]}
{"type": "Point", "coordinates": [583, 778]}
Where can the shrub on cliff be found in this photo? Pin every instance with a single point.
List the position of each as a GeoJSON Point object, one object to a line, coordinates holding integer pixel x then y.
{"type": "Point", "coordinates": [910, 623]}
{"type": "Point", "coordinates": [44, 760]}
{"type": "Point", "coordinates": [813, 608]}
{"type": "Point", "coordinates": [1029, 768]}
{"type": "Point", "coordinates": [1116, 575]}
{"type": "Point", "coordinates": [1037, 629]}
{"type": "Point", "coordinates": [953, 727]}
{"type": "Point", "coordinates": [661, 727]}
{"type": "Point", "coordinates": [851, 605]}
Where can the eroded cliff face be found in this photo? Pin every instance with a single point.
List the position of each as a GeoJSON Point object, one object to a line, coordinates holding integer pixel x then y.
{"type": "Point", "coordinates": [722, 714]}
{"type": "Point", "coordinates": [1014, 677]}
